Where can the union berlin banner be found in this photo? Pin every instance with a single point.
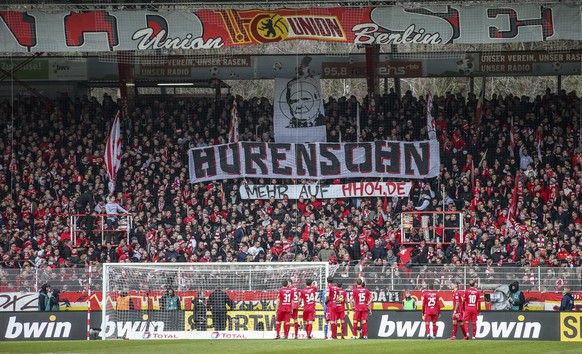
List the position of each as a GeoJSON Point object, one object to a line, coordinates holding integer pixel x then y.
{"type": "Point", "coordinates": [102, 31]}
{"type": "Point", "coordinates": [298, 115]}
{"type": "Point", "coordinates": [349, 190]}
{"type": "Point", "coordinates": [390, 159]}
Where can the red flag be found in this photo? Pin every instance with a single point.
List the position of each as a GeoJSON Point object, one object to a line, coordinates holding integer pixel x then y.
{"type": "Point", "coordinates": [511, 213]}
{"type": "Point", "coordinates": [113, 152]}
{"type": "Point", "coordinates": [405, 255]}
{"type": "Point", "coordinates": [233, 133]}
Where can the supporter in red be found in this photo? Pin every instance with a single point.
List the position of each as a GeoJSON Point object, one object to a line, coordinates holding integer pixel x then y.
{"type": "Point", "coordinates": [549, 190]}
{"type": "Point", "coordinates": [563, 252]}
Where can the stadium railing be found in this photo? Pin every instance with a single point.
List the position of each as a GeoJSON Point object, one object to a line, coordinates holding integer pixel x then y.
{"type": "Point", "coordinates": [388, 278]}
{"type": "Point", "coordinates": [98, 224]}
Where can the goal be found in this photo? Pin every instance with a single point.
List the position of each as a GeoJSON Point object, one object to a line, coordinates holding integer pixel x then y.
{"type": "Point", "coordinates": [137, 302]}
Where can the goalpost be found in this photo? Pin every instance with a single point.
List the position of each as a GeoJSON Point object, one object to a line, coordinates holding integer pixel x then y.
{"type": "Point", "coordinates": [134, 306]}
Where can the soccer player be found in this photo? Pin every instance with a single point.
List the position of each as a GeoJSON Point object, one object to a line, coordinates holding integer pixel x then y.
{"type": "Point", "coordinates": [472, 303]}
{"type": "Point", "coordinates": [362, 305]}
{"type": "Point", "coordinates": [330, 307]}
{"type": "Point", "coordinates": [308, 300]}
{"type": "Point", "coordinates": [284, 307]}
{"type": "Point", "coordinates": [340, 308]}
{"type": "Point", "coordinates": [295, 312]}
{"type": "Point", "coordinates": [457, 310]}
{"type": "Point", "coordinates": [431, 310]}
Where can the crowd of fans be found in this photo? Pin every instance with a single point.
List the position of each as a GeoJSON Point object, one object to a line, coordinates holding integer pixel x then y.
{"type": "Point", "coordinates": [52, 166]}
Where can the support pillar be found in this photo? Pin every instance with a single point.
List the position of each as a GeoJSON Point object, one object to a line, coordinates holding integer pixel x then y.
{"type": "Point", "coordinates": [126, 82]}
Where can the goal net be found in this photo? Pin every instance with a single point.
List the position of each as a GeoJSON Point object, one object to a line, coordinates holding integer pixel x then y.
{"type": "Point", "coordinates": [201, 300]}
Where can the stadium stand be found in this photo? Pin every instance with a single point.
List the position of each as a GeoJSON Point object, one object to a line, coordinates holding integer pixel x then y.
{"type": "Point", "coordinates": [54, 167]}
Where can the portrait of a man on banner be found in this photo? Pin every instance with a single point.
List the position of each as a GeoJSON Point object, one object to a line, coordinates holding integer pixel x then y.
{"type": "Point", "coordinates": [299, 111]}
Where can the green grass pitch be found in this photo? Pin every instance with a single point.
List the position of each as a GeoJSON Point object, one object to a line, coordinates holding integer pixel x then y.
{"type": "Point", "coordinates": [291, 346]}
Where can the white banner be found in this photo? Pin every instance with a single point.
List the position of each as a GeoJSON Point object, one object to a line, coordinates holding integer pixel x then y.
{"type": "Point", "coordinates": [18, 301]}
{"type": "Point", "coordinates": [298, 115]}
{"type": "Point", "coordinates": [349, 190]}
{"type": "Point", "coordinates": [388, 159]}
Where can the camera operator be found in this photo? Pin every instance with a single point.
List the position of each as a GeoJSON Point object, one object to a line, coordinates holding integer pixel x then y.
{"type": "Point", "coordinates": [516, 297]}
{"type": "Point", "coordinates": [54, 300]}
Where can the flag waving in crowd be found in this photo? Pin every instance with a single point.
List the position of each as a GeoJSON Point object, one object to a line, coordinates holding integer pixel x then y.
{"type": "Point", "coordinates": [511, 214]}
{"type": "Point", "coordinates": [511, 139]}
{"type": "Point", "coordinates": [233, 133]}
{"type": "Point", "coordinates": [480, 103]}
{"type": "Point", "coordinates": [113, 152]}
{"type": "Point", "coordinates": [430, 124]}
{"type": "Point", "coordinates": [540, 143]}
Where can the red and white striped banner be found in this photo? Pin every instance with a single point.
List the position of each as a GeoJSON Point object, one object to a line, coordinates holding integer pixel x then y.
{"type": "Point", "coordinates": [113, 152]}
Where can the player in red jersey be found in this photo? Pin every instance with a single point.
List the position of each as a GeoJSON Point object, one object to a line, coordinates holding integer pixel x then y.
{"type": "Point", "coordinates": [362, 305]}
{"type": "Point", "coordinates": [340, 308]}
{"type": "Point", "coordinates": [308, 300]}
{"type": "Point", "coordinates": [284, 307]}
{"type": "Point", "coordinates": [457, 310]}
{"type": "Point", "coordinates": [431, 310]}
{"type": "Point", "coordinates": [295, 312]}
{"type": "Point", "coordinates": [472, 304]}
{"type": "Point", "coordinates": [330, 307]}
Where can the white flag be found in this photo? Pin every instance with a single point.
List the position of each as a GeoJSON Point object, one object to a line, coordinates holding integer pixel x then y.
{"type": "Point", "coordinates": [430, 125]}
